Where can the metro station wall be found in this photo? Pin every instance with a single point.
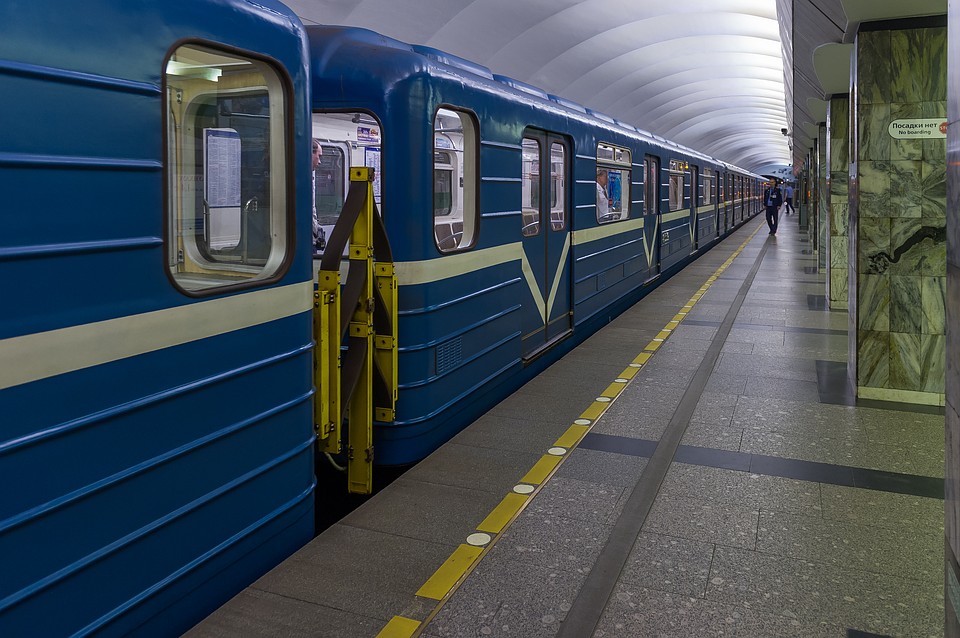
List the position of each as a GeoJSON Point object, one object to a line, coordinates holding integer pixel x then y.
{"type": "Point", "coordinates": [838, 116]}
{"type": "Point", "coordinates": [901, 217]}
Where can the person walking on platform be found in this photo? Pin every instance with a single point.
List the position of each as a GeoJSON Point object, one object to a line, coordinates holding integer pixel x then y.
{"type": "Point", "coordinates": [788, 194]}
{"type": "Point", "coordinates": [772, 199]}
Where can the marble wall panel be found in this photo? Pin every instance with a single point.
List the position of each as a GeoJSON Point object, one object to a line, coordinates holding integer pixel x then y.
{"type": "Point", "coordinates": [840, 134]}
{"type": "Point", "coordinates": [840, 218]}
{"type": "Point", "coordinates": [875, 140]}
{"type": "Point", "coordinates": [935, 64]}
{"type": "Point", "coordinates": [934, 263]}
{"type": "Point", "coordinates": [839, 286]}
{"type": "Point", "coordinates": [873, 360]}
{"type": "Point", "coordinates": [906, 192]}
{"type": "Point", "coordinates": [874, 67]}
{"type": "Point", "coordinates": [932, 362]}
{"type": "Point", "coordinates": [874, 303]}
{"type": "Point", "coordinates": [904, 256]}
{"type": "Point", "coordinates": [873, 241]}
{"type": "Point", "coordinates": [933, 186]}
{"type": "Point", "coordinates": [906, 306]}
{"type": "Point", "coordinates": [874, 189]}
{"type": "Point", "coordinates": [933, 294]}
{"type": "Point", "coordinates": [907, 80]}
{"type": "Point", "coordinates": [838, 254]}
{"type": "Point", "coordinates": [905, 361]}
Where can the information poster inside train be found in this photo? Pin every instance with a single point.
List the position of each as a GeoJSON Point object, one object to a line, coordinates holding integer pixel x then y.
{"type": "Point", "coordinates": [221, 186]}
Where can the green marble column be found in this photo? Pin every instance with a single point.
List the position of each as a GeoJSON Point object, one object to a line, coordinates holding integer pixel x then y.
{"type": "Point", "coordinates": [823, 200]}
{"type": "Point", "coordinates": [838, 124]}
{"type": "Point", "coordinates": [900, 228]}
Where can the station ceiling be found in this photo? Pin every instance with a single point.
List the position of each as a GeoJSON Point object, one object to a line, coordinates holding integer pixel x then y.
{"type": "Point", "coordinates": [724, 77]}
{"type": "Point", "coordinates": [707, 74]}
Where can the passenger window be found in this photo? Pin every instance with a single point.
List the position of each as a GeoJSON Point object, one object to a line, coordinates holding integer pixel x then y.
{"type": "Point", "coordinates": [345, 140]}
{"type": "Point", "coordinates": [676, 180]}
{"type": "Point", "coordinates": [651, 184]}
{"type": "Point", "coordinates": [613, 183]}
{"type": "Point", "coordinates": [530, 186]}
{"type": "Point", "coordinates": [709, 181]}
{"type": "Point", "coordinates": [455, 178]}
{"type": "Point", "coordinates": [558, 196]}
{"type": "Point", "coordinates": [228, 212]}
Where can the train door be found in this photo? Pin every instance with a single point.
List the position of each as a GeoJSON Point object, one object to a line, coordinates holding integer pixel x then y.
{"type": "Point", "coordinates": [694, 206]}
{"type": "Point", "coordinates": [651, 213]}
{"type": "Point", "coordinates": [546, 240]}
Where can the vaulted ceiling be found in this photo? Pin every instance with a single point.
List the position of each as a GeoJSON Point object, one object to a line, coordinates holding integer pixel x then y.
{"type": "Point", "coordinates": [707, 74]}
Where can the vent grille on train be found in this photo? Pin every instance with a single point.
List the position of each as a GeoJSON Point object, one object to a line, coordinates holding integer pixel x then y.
{"type": "Point", "coordinates": [449, 355]}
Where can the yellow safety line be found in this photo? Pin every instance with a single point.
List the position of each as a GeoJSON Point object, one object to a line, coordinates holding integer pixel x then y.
{"type": "Point", "coordinates": [502, 513]}
{"type": "Point", "coordinates": [447, 575]}
{"type": "Point", "coordinates": [399, 627]}
{"type": "Point", "coordinates": [455, 569]}
{"type": "Point", "coordinates": [540, 471]}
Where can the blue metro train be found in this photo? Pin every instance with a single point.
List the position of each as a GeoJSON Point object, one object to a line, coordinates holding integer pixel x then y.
{"type": "Point", "coordinates": [157, 441]}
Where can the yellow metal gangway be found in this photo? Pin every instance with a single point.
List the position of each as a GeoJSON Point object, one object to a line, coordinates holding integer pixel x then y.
{"type": "Point", "coordinates": [355, 359]}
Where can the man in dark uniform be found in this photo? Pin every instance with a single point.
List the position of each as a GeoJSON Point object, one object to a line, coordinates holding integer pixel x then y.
{"type": "Point", "coordinates": [772, 199]}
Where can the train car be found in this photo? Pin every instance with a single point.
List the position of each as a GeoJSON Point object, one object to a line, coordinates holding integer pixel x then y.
{"type": "Point", "coordinates": [519, 222]}
{"type": "Point", "coordinates": [156, 439]}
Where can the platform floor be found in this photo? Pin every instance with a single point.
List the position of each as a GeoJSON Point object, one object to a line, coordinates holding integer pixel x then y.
{"type": "Point", "coordinates": [729, 488]}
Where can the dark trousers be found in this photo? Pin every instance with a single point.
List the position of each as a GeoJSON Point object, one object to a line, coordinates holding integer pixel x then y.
{"type": "Point", "coordinates": [790, 206]}
{"type": "Point", "coordinates": [772, 219]}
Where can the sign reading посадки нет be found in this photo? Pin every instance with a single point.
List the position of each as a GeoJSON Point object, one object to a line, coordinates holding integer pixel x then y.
{"type": "Point", "coordinates": [929, 128]}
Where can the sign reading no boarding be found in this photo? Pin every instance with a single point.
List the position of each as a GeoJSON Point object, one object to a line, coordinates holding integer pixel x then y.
{"type": "Point", "coordinates": [930, 128]}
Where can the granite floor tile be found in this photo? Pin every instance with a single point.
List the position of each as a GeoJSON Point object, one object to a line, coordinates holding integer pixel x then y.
{"type": "Point", "coordinates": [426, 511]}
{"type": "Point", "coordinates": [500, 432]}
{"type": "Point", "coordinates": [669, 563]}
{"type": "Point", "coordinates": [369, 573]}
{"type": "Point", "coordinates": [575, 499]}
{"type": "Point", "coordinates": [917, 555]}
{"type": "Point", "coordinates": [501, 598]}
{"type": "Point", "coordinates": [711, 435]}
{"type": "Point", "coordinates": [806, 446]}
{"type": "Point", "coordinates": [759, 338]}
{"type": "Point", "coordinates": [478, 468]}
{"type": "Point", "coordinates": [767, 366]}
{"type": "Point", "coordinates": [703, 520]}
{"type": "Point", "coordinates": [687, 331]}
{"type": "Point", "coordinates": [255, 613]}
{"type": "Point", "coordinates": [680, 345]}
{"type": "Point", "coordinates": [715, 408]}
{"type": "Point", "coordinates": [791, 389]}
{"type": "Point", "coordinates": [900, 512]}
{"type": "Point", "coordinates": [603, 468]}
{"type": "Point", "coordinates": [554, 542]}
{"type": "Point", "coordinates": [726, 384]}
{"type": "Point", "coordinates": [775, 414]}
{"type": "Point", "coordinates": [742, 489]}
{"type": "Point", "coordinates": [818, 592]}
{"type": "Point", "coordinates": [641, 612]}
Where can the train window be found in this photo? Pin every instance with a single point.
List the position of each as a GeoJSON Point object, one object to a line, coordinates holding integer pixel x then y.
{"type": "Point", "coordinates": [558, 197]}
{"type": "Point", "coordinates": [530, 187]}
{"type": "Point", "coordinates": [455, 177]}
{"type": "Point", "coordinates": [709, 179]}
{"type": "Point", "coordinates": [651, 184]}
{"type": "Point", "coordinates": [613, 183]}
{"type": "Point", "coordinates": [676, 176]}
{"type": "Point", "coordinates": [346, 140]}
{"type": "Point", "coordinates": [226, 165]}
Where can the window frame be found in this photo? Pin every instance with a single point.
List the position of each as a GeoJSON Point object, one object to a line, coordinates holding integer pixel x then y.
{"type": "Point", "coordinates": [468, 198]}
{"type": "Point", "coordinates": [625, 166]}
{"type": "Point", "coordinates": [171, 217]}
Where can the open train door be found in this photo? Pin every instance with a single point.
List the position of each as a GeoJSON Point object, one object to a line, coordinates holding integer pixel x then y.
{"type": "Point", "coordinates": [547, 317]}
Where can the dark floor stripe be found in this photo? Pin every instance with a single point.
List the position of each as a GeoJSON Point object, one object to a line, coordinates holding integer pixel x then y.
{"type": "Point", "coordinates": [587, 608]}
{"type": "Point", "coordinates": [856, 633]}
{"type": "Point", "coordinates": [843, 475]}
